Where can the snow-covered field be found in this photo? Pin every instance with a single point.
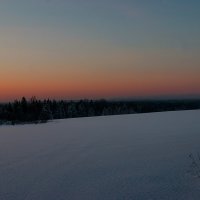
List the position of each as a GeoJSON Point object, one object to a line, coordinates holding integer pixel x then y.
{"type": "Point", "coordinates": [136, 157]}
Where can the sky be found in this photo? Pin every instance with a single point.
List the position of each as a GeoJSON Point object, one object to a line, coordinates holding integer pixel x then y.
{"type": "Point", "coordinates": [72, 49]}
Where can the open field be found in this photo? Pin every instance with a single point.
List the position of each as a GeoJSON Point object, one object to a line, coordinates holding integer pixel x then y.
{"type": "Point", "coordinates": [139, 157]}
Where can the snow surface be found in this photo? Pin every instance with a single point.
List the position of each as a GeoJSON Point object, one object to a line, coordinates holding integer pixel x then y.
{"type": "Point", "coordinates": [139, 157]}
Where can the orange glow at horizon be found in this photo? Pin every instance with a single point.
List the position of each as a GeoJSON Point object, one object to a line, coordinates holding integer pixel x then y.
{"type": "Point", "coordinates": [98, 72]}
{"type": "Point", "coordinates": [86, 85]}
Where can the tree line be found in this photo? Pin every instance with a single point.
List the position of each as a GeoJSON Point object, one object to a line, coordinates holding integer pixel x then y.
{"type": "Point", "coordinates": [34, 110]}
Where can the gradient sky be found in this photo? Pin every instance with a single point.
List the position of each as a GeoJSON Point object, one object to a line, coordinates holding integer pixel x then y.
{"type": "Point", "coordinates": [74, 49]}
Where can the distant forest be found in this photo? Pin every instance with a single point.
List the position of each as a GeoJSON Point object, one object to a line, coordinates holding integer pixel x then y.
{"type": "Point", "coordinates": [37, 111]}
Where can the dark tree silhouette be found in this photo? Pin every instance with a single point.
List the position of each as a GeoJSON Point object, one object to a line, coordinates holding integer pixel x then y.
{"type": "Point", "coordinates": [34, 110]}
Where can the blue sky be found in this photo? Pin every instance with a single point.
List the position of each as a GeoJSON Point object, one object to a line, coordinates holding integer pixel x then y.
{"type": "Point", "coordinates": [81, 34]}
